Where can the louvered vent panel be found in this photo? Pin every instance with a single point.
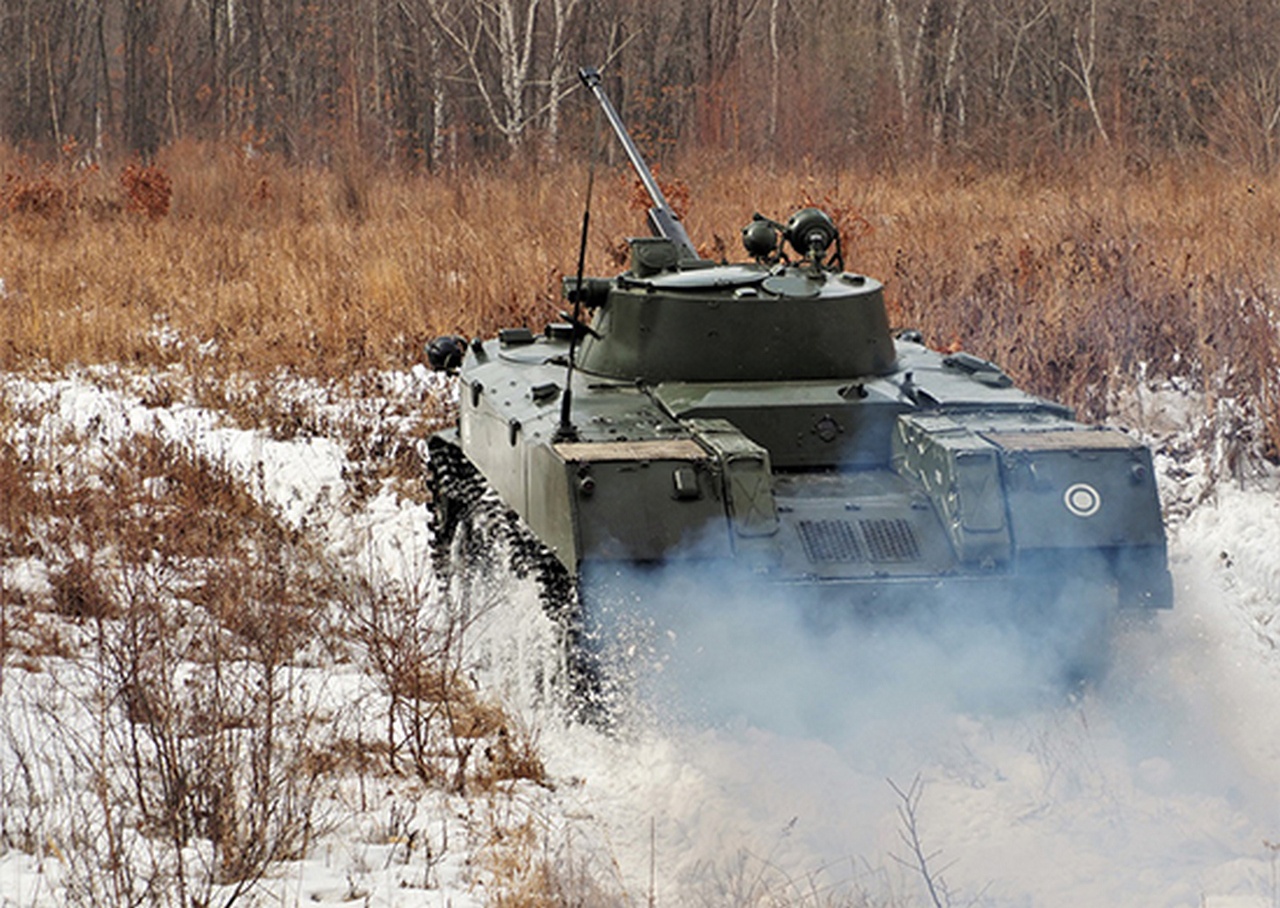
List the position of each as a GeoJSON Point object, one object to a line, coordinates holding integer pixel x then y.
{"type": "Point", "coordinates": [890, 540]}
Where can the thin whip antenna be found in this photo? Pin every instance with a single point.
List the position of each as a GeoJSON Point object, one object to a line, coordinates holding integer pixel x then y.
{"type": "Point", "coordinates": [567, 431]}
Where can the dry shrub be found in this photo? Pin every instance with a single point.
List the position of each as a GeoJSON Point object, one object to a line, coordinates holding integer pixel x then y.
{"type": "Point", "coordinates": [526, 870]}
{"type": "Point", "coordinates": [78, 593]}
{"type": "Point", "coordinates": [675, 191]}
{"type": "Point", "coordinates": [47, 191]}
{"type": "Point", "coordinates": [155, 529]}
{"type": "Point", "coordinates": [195, 603]}
{"type": "Point", "coordinates": [344, 756]}
{"type": "Point", "coordinates": [147, 190]}
{"type": "Point", "coordinates": [155, 498]}
{"type": "Point", "coordinates": [396, 459]}
{"type": "Point", "coordinates": [17, 499]}
{"type": "Point", "coordinates": [511, 755]}
{"type": "Point", "coordinates": [437, 726]}
{"type": "Point", "coordinates": [39, 194]}
{"type": "Point", "coordinates": [255, 405]}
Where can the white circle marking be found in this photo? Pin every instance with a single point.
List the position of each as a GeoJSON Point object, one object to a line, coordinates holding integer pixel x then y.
{"type": "Point", "coordinates": [1082, 499]}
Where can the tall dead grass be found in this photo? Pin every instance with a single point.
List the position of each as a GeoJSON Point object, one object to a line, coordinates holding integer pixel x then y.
{"type": "Point", "coordinates": [1074, 279]}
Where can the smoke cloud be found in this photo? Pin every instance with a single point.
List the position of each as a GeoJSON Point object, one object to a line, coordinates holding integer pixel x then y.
{"type": "Point", "coordinates": [758, 734]}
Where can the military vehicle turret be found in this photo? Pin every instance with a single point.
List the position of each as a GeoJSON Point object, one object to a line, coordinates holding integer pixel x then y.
{"type": "Point", "coordinates": [763, 416]}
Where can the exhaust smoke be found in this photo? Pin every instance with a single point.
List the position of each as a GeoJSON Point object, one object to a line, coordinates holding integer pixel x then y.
{"type": "Point", "coordinates": [771, 730]}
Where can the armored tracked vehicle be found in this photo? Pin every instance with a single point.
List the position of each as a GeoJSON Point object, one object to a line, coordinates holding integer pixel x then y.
{"type": "Point", "coordinates": [691, 416]}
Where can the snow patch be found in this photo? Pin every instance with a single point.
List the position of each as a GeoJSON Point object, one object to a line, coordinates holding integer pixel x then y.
{"type": "Point", "coordinates": [1160, 787]}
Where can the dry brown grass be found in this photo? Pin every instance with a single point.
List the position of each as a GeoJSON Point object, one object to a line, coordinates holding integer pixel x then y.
{"type": "Point", "coordinates": [1072, 279]}
{"type": "Point", "coordinates": [1075, 283]}
{"type": "Point", "coordinates": [527, 869]}
{"type": "Point", "coordinates": [258, 267]}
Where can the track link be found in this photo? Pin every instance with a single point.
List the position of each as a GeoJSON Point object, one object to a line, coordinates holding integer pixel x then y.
{"type": "Point", "coordinates": [476, 534]}
{"type": "Point", "coordinates": [463, 502]}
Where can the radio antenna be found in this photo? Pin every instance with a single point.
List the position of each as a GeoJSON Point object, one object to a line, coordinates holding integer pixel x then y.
{"type": "Point", "coordinates": [567, 431]}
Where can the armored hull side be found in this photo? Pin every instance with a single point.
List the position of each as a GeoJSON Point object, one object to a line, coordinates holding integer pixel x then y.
{"type": "Point", "coordinates": [869, 488]}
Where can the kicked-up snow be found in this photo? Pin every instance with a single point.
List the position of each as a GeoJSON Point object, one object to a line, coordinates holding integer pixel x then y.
{"type": "Point", "coordinates": [1159, 785]}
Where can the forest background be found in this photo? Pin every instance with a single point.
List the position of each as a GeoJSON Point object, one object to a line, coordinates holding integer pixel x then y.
{"type": "Point", "coordinates": [438, 83]}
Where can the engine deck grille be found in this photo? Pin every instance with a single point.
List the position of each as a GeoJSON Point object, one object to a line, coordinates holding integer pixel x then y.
{"type": "Point", "coordinates": [827, 541]}
{"type": "Point", "coordinates": [890, 540]}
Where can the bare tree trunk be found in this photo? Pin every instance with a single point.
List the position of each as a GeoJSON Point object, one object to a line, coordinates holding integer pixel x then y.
{"type": "Point", "coordinates": [54, 119]}
{"type": "Point", "coordinates": [774, 72]}
{"type": "Point", "coordinates": [101, 81]}
{"type": "Point", "coordinates": [506, 30]}
{"type": "Point", "coordinates": [515, 55]}
{"type": "Point", "coordinates": [222, 44]}
{"type": "Point", "coordinates": [439, 114]}
{"type": "Point", "coordinates": [255, 83]}
{"type": "Point", "coordinates": [946, 81]}
{"type": "Point", "coordinates": [562, 16]}
{"type": "Point", "coordinates": [175, 127]}
{"type": "Point", "coordinates": [1021, 29]}
{"type": "Point", "coordinates": [141, 134]}
{"type": "Point", "coordinates": [1086, 63]}
{"type": "Point", "coordinates": [1266, 92]}
{"type": "Point", "coordinates": [906, 68]}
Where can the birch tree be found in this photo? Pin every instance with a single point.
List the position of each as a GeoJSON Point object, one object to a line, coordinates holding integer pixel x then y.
{"type": "Point", "coordinates": [564, 14]}
{"type": "Point", "coordinates": [1084, 67]}
{"type": "Point", "coordinates": [905, 53]}
{"type": "Point", "coordinates": [501, 31]}
{"type": "Point", "coordinates": [947, 78]}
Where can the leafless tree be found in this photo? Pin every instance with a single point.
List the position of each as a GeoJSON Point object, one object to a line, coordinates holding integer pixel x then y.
{"type": "Point", "coordinates": [1084, 67]}
{"type": "Point", "coordinates": [421, 80]}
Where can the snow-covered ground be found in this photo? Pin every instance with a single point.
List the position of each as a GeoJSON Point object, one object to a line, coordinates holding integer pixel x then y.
{"type": "Point", "coordinates": [1158, 787]}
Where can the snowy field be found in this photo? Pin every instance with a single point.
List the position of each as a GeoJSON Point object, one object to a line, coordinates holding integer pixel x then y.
{"type": "Point", "coordinates": [1159, 786]}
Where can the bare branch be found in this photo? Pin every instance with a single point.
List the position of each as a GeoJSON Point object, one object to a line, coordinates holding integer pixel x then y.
{"type": "Point", "coordinates": [918, 860]}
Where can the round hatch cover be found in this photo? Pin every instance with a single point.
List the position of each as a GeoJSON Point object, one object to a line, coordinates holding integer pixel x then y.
{"type": "Point", "coordinates": [707, 278]}
{"type": "Point", "coordinates": [793, 285]}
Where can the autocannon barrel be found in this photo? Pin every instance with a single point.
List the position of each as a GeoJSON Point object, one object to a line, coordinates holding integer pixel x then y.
{"type": "Point", "coordinates": [662, 217]}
